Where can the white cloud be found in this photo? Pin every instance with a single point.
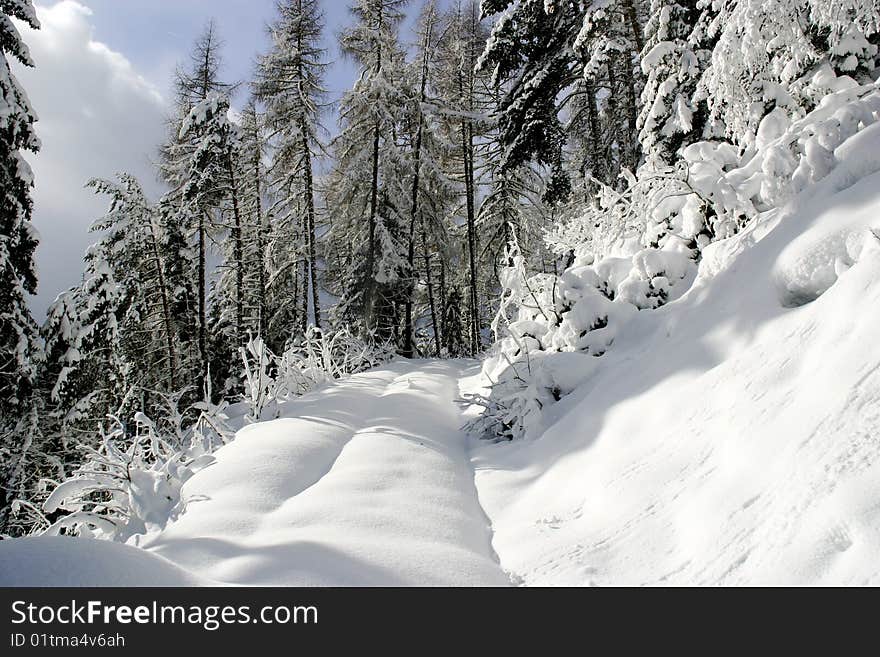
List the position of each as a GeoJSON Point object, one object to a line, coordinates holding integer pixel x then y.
{"type": "Point", "coordinates": [97, 116]}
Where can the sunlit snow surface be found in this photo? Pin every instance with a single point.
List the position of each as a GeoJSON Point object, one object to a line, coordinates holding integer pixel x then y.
{"type": "Point", "coordinates": [366, 482]}
{"type": "Point", "coordinates": [731, 437]}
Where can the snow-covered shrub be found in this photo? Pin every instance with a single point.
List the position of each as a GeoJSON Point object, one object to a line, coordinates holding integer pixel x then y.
{"type": "Point", "coordinates": [637, 248]}
{"type": "Point", "coordinates": [316, 358]}
{"type": "Point", "coordinates": [562, 324]}
{"type": "Point", "coordinates": [130, 483]}
{"type": "Point", "coordinates": [259, 382]}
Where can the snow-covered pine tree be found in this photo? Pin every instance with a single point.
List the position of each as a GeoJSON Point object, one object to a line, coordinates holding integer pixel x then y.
{"type": "Point", "coordinates": [453, 325]}
{"type": "Point", "coordinates": [289, 82]}
{"type": "Point", "coordinates": [672, 63]}
{"type": "Point", "coordinates": [111, 341]}
{"type": "Point", "coordinates": [178, 259]}
{"type": "Point", "coordinates": [253, 187]}
{"type": "Point", "coordinates": [210, 189]}
{"type": "Point", "coordinates": [531, 48]}
{"type": "Point", "coordinates": [512, 211]}
{"type": "Point", "coordinates": [609, 43]}
{"type": "Point", "coordinates": [20, 348]}
{"type": "Point", "coordinates": [115, 330]}
{"type": "Point", "coordinates": [368, 194]}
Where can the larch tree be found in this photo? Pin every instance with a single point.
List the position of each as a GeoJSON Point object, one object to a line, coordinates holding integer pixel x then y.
{"type": "Point", "coordinates": [289, 83]}
{"type": "Point", "coordinates": [209, 187]}
{"type": "Point", "coordinates": [368, 196]}
{"type": "Point", "coordinates": [432, 192]}
{"type": "Point", "coordinates": [463, 86]}
{"type": "Point", "coordinates": [194, 82]}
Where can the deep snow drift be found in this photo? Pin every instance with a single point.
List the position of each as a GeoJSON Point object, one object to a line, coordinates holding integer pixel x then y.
{"type": "Point", "coordinates": [363, 482]}
{"type": "Point", "coordinates": [730, 437]}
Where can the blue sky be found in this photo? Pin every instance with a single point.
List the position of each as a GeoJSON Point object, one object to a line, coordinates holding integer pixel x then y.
{"type": "Point", "coordinates": [100, 89]}
{"type": "Point", "coordinates": [155, 34]}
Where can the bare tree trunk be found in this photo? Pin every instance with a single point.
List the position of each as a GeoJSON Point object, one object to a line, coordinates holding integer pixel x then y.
{"type": "Point", "coordinates": [442, 283]}
{"type": "Point", "coordinates": [408, 339]}
{"type": "Point", "coordinates": [430, 286]}
{"type": "Point", "coordinates": [633, 18]}
{"type": "Point", "coordinates": [237, 254]}
{"type": "Point", "coordinates": [166, 314]}
{"type": "Point", "coordinates": [261, 249]}
{"type": "Point", "coordinates": [310, 213]}
{"type": "Point", "coordinates": [304, 267]}
{"type": "Point", "coordinates": [466, 93]}
{"type": "Point", "coordinates": [203, 323]}
{"type": "Point", "coordinates": [370, 290]}
{"type": "Point", "coordinates": [467, 153]}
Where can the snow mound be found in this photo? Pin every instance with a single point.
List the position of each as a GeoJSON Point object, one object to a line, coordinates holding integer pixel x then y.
{"type": "Point", "coordinates": [65, 561]}
{"type": "Point", "coordinates": [365, 482]}
{"type": "Point", "coordinates": [729, 437]}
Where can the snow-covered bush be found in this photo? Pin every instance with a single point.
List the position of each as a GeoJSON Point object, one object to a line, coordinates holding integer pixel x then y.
{"type": "Point", "coordinates": [638, 248]}
{"type": "Point", "coordinates": [130, 483]}
{"type": "Point", "coordinates": [717, 187]}
{"type": "Point", "coordinates": [562, 324]}
{"type": "Point", "coordinates": [316, 358]}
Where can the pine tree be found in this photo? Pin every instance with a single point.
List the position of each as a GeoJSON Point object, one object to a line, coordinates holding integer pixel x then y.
{"type": "Point", "coordinates": [432, 192]}
{"type": "Point", "coordinates": [672, 64]}
{"type": "Point", "coordinates": [254, 149]}
{"type": "Point", "coordinates": [609, 44]}
{"type": "Point", "coordinates": [210, 186]}
{"type": "Point", "coordinates": [20, 349]}
{"type": "Point", "coordinates": [532, 47]}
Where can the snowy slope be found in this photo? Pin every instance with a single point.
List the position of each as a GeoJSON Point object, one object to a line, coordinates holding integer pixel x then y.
{"type": "Point", "coordinates": [731, 437]}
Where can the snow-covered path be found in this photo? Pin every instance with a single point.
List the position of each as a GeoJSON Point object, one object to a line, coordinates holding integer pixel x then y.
{"type": "Point", "coordinates": [366, 482]}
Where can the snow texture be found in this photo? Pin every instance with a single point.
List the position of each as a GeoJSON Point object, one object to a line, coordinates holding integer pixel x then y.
{"type": "Point", "coordinates": [53, 561]}
{"type": "Point", "coordinates": [730, 436]}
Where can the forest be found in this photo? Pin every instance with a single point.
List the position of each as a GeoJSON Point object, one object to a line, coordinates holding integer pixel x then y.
{"type": "Point", "coordinates": [515, 181]}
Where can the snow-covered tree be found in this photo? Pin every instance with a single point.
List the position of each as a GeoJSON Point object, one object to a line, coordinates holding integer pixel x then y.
{"type": "Point", "coordinates": [253, 152]}
{"type": "Point", "coordinates": [367, 189]}
{"type": "Point", "coordinates": [432, 192]}
{"type": "Point", "coordinates": [609, 43]}
{"type": "Point", "coordinates": [115, 330]}
{"type": "Point", "coordinates": [210, 186]}
{"type": "Point", "coordinates": [464, 88]}
{"type": "Point", "coordinates": [20, 347]}
{"type": "Point", "coordinates": [289, 82]}
{"type": "Point", "coordinates": [531, 47]}
{"type": "Point", "coordinates": [766, 50]}
{"type": "Point", "coordinates": [188, 231]}
{"type": "Point", "coordinates": [672, 64]}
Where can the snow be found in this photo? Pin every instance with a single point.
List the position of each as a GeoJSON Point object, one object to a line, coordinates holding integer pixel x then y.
{"type": "Point", "coordinates": [364, 482]}
{"type": "Point", "coordinates": [729, 437]}
{"type": "Point", "coordinates": [53, 561]}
